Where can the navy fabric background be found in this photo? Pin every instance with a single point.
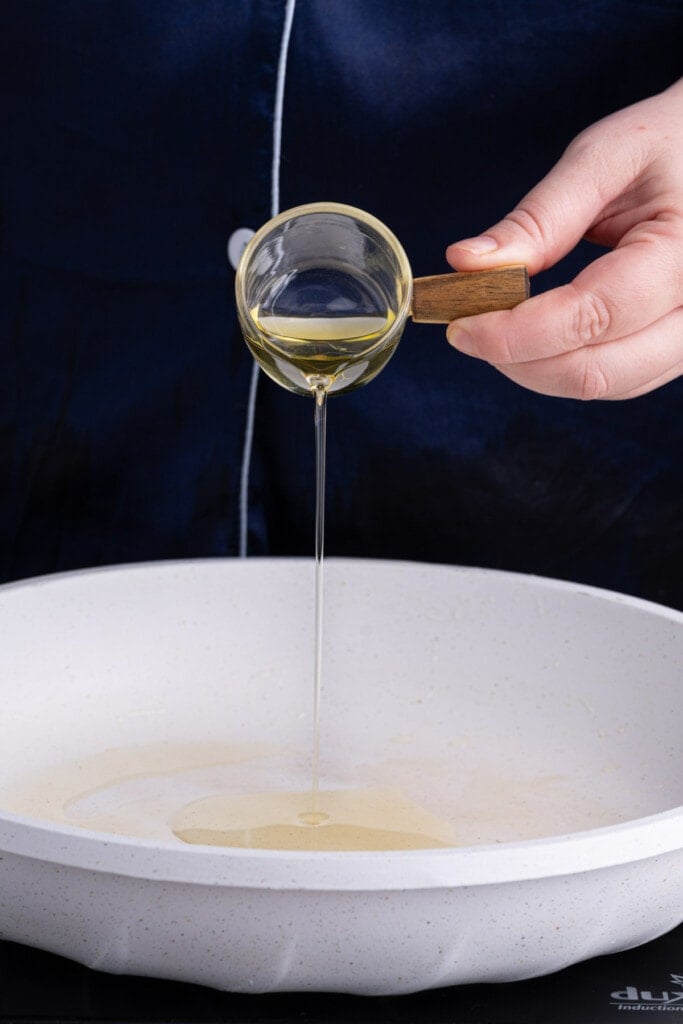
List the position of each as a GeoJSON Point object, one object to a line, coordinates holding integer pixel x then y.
{"type": "Point", "coordinates": [137, 135]}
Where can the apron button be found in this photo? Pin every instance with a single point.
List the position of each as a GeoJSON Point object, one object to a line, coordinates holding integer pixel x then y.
{"type": "Point", "coordinates": [236, 245]}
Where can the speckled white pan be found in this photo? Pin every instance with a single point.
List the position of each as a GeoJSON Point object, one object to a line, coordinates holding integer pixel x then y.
{"type": "Point", "coordinates": [541, 719]}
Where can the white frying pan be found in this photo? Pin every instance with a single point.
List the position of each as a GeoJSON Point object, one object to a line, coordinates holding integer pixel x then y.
{"type": "Point", "coordinates": [539, 721]}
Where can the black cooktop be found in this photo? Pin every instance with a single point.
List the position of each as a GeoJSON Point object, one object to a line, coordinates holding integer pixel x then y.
{"type": "Point", "coordinates": [39, 987]}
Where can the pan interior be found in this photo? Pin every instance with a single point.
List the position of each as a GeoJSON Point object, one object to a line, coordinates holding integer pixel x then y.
{"type": "Point", "coordinates": [459, 707]}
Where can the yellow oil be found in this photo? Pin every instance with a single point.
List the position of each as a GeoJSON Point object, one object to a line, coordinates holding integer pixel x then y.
{"type": "Point", "coordinates": [370, 819]}
{"type": "Point", "coordinates": [255, 795]}
{"type": "Point", "coordinates": [343, 351]}
{"type": "Point", "coordinates": [143, 792]}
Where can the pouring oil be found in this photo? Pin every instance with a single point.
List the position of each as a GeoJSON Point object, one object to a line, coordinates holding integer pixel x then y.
{"type": "Point", "coordinates": [341, 341]}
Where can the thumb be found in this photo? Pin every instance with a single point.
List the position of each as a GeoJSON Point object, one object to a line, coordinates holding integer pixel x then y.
{"type": "Point", "coordinates": [554, 216]}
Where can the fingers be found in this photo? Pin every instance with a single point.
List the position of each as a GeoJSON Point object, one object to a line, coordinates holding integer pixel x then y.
{"type": "Point", "coordinates": [617, 295]}
{"type": "Point", "coordinates": [620, 369]}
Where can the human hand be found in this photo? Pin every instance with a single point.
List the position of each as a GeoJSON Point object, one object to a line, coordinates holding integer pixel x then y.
{"type": "Point", "coordinates": [616, 331]}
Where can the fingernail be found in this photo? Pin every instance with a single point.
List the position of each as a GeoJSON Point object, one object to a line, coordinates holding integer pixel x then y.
{"type": "Point", "coordinates": [461, 339]}
{"type": "Point", "coordinates": [478, 246]}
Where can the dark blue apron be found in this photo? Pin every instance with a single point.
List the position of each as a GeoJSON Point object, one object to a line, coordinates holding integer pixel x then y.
{"type": "Point", "coordinates": [137, 137]}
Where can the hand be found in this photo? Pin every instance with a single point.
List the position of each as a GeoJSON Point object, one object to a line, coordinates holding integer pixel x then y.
{"type": "Point", "coordinates": [616, 331]}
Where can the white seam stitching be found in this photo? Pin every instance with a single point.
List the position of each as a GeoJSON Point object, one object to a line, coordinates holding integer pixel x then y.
{"type": "Point", "coordinates": [274, 210]}
{"type": "Point", "coordinates": [246, 461]}
{"type": "Point", "coordinates": [279, 106]}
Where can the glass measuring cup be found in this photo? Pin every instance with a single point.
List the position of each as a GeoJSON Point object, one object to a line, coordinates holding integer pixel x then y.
{"type": "Point", "coordinates": [323, 294]}
{"type": "Point", "coordinates": [324, 291]}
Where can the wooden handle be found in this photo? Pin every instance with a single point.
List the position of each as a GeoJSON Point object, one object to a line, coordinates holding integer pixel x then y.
{"type": "Point", "coordinates": [445, 297]}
